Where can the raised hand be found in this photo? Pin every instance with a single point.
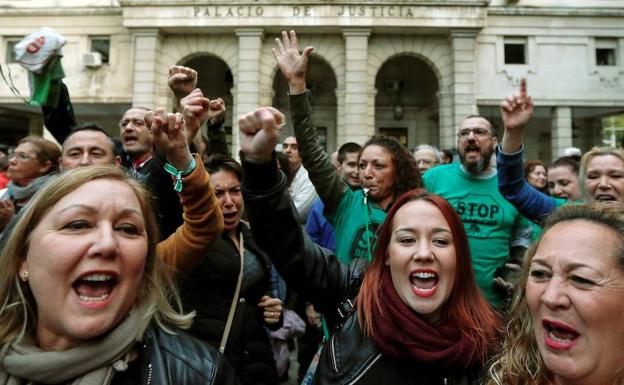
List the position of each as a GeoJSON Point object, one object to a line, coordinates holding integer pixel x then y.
{"type": "Point", "coordinates": [216, 111]}
{"type": "Point", "coordinates": [292, 64]}
{"type": "Point", "coordinates": [516, 110]}
{"type": "Point", "coordinates": [195, 109]}
{"type": "Point", "coordinates": [169, 133]}
{"type": "Point", "coordinates": [182, 80]}
{"type": "Point", "coordinates": [259, 133]}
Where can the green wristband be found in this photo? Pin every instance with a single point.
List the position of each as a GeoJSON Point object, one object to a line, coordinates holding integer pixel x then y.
{"type": "Point", "coordinates": [178, 174]}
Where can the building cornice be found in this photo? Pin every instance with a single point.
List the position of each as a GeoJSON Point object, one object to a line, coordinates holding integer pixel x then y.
{"type": "Point", "coordinates": [555, 11]}
{"type": "Point", "coordinates": [91, 11]}
{"type": "Point", "coordinates": [142, 3]}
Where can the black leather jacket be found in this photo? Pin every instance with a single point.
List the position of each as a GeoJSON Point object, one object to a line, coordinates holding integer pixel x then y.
{"type": "Point", "coordinates": [348, 357]}
{"type": "Point", "coordinates": [168, 359]}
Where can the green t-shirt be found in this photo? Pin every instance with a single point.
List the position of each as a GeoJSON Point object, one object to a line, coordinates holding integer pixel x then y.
{"type": "Point", "coordinates": [490, 221]}
{"type": "Point", "coordinates": [356, 224]}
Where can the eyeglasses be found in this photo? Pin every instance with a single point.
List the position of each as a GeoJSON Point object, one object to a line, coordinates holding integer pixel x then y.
{"type": "Point", "coordinates": [478, 132]}
{"type": "Point", "coordinates": [425, 162]}
{"type": "Point", "coordinates": [21, 156]}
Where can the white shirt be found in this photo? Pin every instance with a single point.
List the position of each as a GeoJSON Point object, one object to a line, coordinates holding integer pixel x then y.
{"type": "Point", "coordinates": [302, 193]}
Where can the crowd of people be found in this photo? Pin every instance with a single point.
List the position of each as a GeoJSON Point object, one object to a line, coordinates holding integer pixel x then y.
{"type": "Point", "coordinates": [157, 258]}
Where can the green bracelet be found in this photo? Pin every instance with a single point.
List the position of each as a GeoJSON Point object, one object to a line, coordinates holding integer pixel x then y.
{"type": "Point", "coordinates": [178, 174]}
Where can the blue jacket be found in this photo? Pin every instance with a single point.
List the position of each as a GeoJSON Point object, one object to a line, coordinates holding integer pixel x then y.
{"type": "Point", "coordinates": [528, 200]}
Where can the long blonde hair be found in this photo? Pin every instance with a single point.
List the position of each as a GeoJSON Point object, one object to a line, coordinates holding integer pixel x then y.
{"type": "Point", "coordinates": [519, 361]}
{"type": "Point", "coordinates": [157, 294]}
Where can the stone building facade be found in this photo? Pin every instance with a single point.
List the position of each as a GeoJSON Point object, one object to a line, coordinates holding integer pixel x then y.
{"type": "Point", "coordinates": [412, 69]}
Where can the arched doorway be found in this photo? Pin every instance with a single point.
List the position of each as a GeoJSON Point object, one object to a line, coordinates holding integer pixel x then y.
{"type": "Point", "coordinates": [215, 79]}
{"type": "Point", "coordinates": [406, 102]}
{"type": "Point", "coordinates": [321, 81]}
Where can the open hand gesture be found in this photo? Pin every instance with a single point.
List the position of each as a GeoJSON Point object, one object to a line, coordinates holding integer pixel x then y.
{"type": "Point", "coordinates": [182, 80]}
{"type": "Point", "coordinates": [169, 133]}
{"type": "Point", "coordinates": [259, 132]}
{"type": "Point", "coordinates": [292, 64]}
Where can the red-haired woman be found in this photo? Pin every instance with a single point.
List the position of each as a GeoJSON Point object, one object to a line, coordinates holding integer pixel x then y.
{"type": "Point", "coordinates": [419, 318]}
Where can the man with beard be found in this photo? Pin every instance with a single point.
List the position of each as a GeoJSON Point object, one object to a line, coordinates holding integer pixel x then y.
{"type": "Point", "coordinates": [492, 224]}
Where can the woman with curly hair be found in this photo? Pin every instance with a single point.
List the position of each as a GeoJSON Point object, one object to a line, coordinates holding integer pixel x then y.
{"type": "Point", "coordinates": [566, 320]}
{"type": "Point", "coordinates": [387, 169]}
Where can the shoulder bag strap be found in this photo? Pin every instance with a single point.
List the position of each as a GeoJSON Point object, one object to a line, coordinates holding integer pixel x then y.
{"type": "Point", "coordinates": [228, 323]}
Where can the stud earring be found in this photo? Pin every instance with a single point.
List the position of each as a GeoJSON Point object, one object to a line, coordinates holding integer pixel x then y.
{"type": "Point", "coordinates": [25, 276]}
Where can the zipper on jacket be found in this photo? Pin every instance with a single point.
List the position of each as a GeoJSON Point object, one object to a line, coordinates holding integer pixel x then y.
{"type": "Point", "coordinates": [366, 369]}
{"type": "Point", "coordinates": [333, 354]}
{"type": "Point", "coordinates": [149, 373]}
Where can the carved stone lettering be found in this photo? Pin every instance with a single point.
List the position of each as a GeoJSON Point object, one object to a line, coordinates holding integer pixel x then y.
{"type": "Point", "coordinates": [307, 11]}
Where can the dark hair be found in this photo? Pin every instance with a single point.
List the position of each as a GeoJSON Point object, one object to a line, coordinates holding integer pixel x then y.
{"type": "Point", "coordinates": [348, 148]}
{"type": "Point", "coordinates": [530, 165]}
{"type": "Point", "coordinates": [46, 151]}
{"type": "Point", "coordinates": [407, 176]}
{"type": "Point", "coordinates": [466, 307]}
{"type": "Point", "coordinates": [448, 154]}
{"type": "Point", "coordinates": [89, 126]}
{"type": "Point", "coordinates": [492, 125]}
{"type": "Point", "coordinates": [567, 161]}
{"type": "Point", "coordinates": [220, 162]}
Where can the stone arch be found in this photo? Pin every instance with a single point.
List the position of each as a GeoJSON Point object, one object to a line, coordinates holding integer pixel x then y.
{"type": "Point", "coordinates": [322, 82]}
{"type": "Point", "coordinates": [330, 48]}
{"type": "Point", "coordinates": [180, 49]}
{"type": "Point", "coordinates": [435, 51]}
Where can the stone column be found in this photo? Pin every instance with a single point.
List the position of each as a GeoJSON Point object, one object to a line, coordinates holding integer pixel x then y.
{"type": "Point", "coordinates": [356, 98]}
{"type": "Point", "coordinates": [561, 130]}
{"type": "Point", "coordinates": [463, 53]}
{"type": "Point", "coordinates": [447, 137]}
{"type": "Point", "coordinates": [248, 81]}
{"type": "Point", "coordinates": [149, 87]}
{"type": "Point", "coordinates": [340, 118]}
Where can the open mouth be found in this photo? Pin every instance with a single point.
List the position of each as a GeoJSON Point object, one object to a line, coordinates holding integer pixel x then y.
{"type": "Point", "coordinates": [230, 216]}
{"type": "Point", "coordinates": [424, 283]}
{"type": "Point", "coordinates": [558, 335]}
{"type": "Point", "coordinates": [473, 150]}
{"type": "Point", "coordinates": [605, 198]}
{"type": "Point", "coordinates": [129, 139]}
{"type": "Point", "coordinates": [95, 287]}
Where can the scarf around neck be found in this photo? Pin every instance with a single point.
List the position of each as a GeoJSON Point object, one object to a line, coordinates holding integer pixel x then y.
{"type": "Point", "coordinates": [18, 193]}
{"type": "Point", "coordinates": [400, 332]}
{"type": "Point", "coordinates": [91, 363]}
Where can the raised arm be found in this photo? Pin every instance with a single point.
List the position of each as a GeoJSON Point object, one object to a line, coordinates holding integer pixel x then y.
{"type": "Point", "coordinates": [312, 271]}
{"type": "Point", "coordinates": [322, 173]}
{"type": "Point", "coordinates": [217, 141]}
{"type": "Point", "coordinates": [517, 110]}
{"type": "Point", "coordinates": [203, 221]}
{"type": "Point", "coordinates": [182, 80]}
{"type": "Point", "coordinates": [60, 120]}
